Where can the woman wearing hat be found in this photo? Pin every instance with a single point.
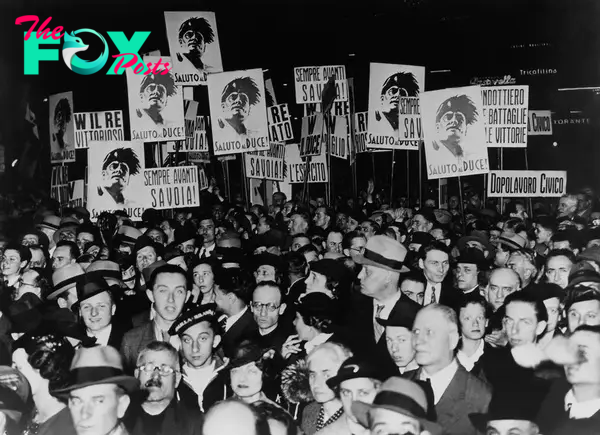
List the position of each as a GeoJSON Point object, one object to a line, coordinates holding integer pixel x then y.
{"type": "Point", "coordinates": [251, 369]}
{"type": "Point", "coordinates": [327, 276]}
{"type": "Point", "coordinates": [44, 360]}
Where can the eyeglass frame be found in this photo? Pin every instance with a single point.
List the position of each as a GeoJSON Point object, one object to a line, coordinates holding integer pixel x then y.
{"type": "Point", "coordinates": [161, 369]}
{"type": "Point", "coordinates": [270, 307]}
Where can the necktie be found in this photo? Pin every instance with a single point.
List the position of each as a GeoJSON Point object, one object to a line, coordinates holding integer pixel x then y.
{"type": "Point", "coordinates": [377, 327]}
{"type": "Point", "coordinates": [433, 299]}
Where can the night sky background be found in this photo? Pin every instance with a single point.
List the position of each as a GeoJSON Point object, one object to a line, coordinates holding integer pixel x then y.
{"type": "Point", "coordinates": [486, 38]}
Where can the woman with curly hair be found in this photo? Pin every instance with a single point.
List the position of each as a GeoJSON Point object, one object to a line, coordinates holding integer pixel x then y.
{"type": "Point", "coordinates": [45, 361]}
{"type": "Point", "coordinates": [201, 276]}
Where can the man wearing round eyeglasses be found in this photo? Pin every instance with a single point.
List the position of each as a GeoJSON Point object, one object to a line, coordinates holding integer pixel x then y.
{"type": "Point", "coordinates": [452, 120]}
{"type": "Point", "coordinates": [236, 100]}
{"type": "Point", "coordinates": [118, 166]}
{"type": "Point", "coordinates": [159, 374]}
{"type": "Point", "coordinates": [266, 308]}
{"type": "Point", "coordinates": [194, 35]}
{"type": "Point", "coordinates": [401, 84]}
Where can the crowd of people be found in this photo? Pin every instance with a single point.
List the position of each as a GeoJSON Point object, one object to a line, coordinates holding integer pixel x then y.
{"type": "Point", "coordinates": [363, 317]}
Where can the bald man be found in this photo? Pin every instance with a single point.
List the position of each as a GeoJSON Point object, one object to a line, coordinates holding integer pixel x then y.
{"type": "Point", "coordinates": [218, 420]}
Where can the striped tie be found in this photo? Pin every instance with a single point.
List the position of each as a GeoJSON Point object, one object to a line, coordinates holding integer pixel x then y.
{"type": "Point", "coordinates": [377, 327]}
{"type": "Point", "coordinates": [433, 299]}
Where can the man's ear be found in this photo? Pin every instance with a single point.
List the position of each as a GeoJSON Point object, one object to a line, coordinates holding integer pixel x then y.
{"type": "Point", "coordinates": [61, 302]}
{"type": "Point", "coordinates": [421, 264]}
{"type": "Point", "coordinates": [150, 295]}
{"type": "Point", "coordinates": [282, 308]}
{"type": "Point", "coordinates": [123, 404]}
{"type": "Point", "coordinates": [346, 252]}
{"type": "Point", "coordinates": [112, 310]}
{"type": "Point", "coordinates": [541, 327]}
{"type": "Point", "coordinates": [216, 341]}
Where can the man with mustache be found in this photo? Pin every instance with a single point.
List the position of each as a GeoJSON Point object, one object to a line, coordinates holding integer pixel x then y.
{"type": "Point", "coordinates": [118, 166]}
{"type": "Point", "coordinates": [452, 120]}
{"type": "Point", "coordinates": [401, 84]}
{"type": "Point", "coordinates": [194, 35]}
{"type": "Point", "coordinates": [160, 412]}
{"type": "Point", "coordinates": [236, 101]}
{"type": "Point", "coordinates": [155, 90]}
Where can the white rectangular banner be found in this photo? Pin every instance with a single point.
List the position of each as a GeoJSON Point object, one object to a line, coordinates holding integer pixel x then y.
{"type": "Point", "coordinates": [516, 184]}
{"type": "Point", "coordinates": [505, 116]}
{"type": "Point", "coordinates": [267, 168]}
{"type": "Point", "coordinates": [199, 157]}
{"type": "Point", "coordinates": [311, 138]}
{"type": "Point", "coordinates": [59, 184]}
{"type": "Point", "coordinates": [280, 123]}
{"type": "Point", "coordinates": [454, 132]}
{"type": "Point", "coordinates": [540, 123]}
{"type": "Point", "coordinates": [296, 167]}
{"type": "Point", "coordinates": [198, 142]}
{"type": "Point", "coordinates": [338, 139]}
{"type": "Point", "coordinates": [76, 194]}
{"type": "Point", "coordinates": [176, 187]}
{"type": "Point", "coordinates": [116, 178]}
{"type": "Point", "coordinates": [62, 128]}
{"type": "Point", "coordinates": [394, 107]}
{"type": "Point", "coordinates": [106, 125]}
{"type": "Point", "coordinates": [310, 81]}
{"type": "Point", "coordinates": [361, 132]}
{"type": "Point", "coordinates": [238, 110]}
{"type": "Point", "coordinates": [155, 104]}
{"type": "Point", "coordinates": [194, 46]}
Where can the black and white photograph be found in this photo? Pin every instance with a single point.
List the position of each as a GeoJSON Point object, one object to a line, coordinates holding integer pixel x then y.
{"type": "Point", "coordinates": [62, 128]}
{"type": "Point", "coordinates": [194, 46]}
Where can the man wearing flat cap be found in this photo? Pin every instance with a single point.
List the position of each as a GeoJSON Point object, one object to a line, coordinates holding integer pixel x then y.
{"type": "Point", "coordinates": [98, 394]}
{"type": "Point", "coordinates": [236, 101]}
{"type": "Point", "coordinates": [194, 35]}
{"type": "Point", "coordinates": [117, 168]}
{"type": "Point", "coordinates": [398, 85]}
{"type": "Point", "coordinates": [452, 121]}
{"type": "Point", "coordinates": [382, 262]}
{"type": "Point", "coordinates": [155, 91]}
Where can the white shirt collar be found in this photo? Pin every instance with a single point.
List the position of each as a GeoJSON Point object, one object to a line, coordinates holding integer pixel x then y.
{"type": "Point", "coordinates": [411, 366]}
{"type": "Point", "coordinates": [427, 295]}
{"type": "Point", "coordinates": [440, 380]}
{"type": "Point", "coordinates": [578, 410]}
{"type": "Point", "coordinates": [469, 361]}
{"type": "Point", "coordinates": [102, 336]}
{"type": "Point", "coordinates": [388, 306]}
{"type": "Point", "coordinates": [232, 319]}
{"type": "Point", "coordinates": [209, 249]}
{"type": "Point", "coordinates": [13, 282]}
{"type": "Point", "coordinates": [319, 339]}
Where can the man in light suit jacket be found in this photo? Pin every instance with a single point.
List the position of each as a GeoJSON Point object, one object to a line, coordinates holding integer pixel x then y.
{"type": "Point", "coordinates": [457, 393]}
{"type": "Point", "coordinates": [168, 291]}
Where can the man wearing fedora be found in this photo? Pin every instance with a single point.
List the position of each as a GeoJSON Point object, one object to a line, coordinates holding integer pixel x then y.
{"type": "Point", "coordinates": [168, 291]}
{"type": "Point", "coordinates": [456, 391]}
{"type": "Point", "coordinates": [382, 262]}
{"type": "Point", "coordinates": [159, 412]}
{"type": "Point", "coordinates": [99, 392]}
{"type": "Point", "coordinates": [96, 306]}
{"type": "Point", "coordinates": [400, 407]}
{"type": "Point", "coordinates": [49, 225]}
{"type": "Point", "coordinates": [65, 281]}
{"type": "Point", "coordinates": [355, 380]}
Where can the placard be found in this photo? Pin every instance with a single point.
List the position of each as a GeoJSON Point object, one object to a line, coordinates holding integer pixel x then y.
{"type": "Point", "coordinates": [312, 132]}
{"type": "Point", "coordinates": [238, 108]}
{"type": "Point", "coordinates": [517, 184]}
{"type": "Point", "coordinates": [505, 116]}
{"type": "Point", "coordinates": [454, 132]}
{"type": "Point", "coordinates": [199, 157]}
{"type": "Point", "coordinates": [170, 188]}
{"type": "Point", "coordinates": [155, 104]}
{"type": "Point", "coordinates": [198, 142]}
{"type": "Point", "coordinates": [116, 178]}
{"type": "Point", "coordinates": [394, 107]}
{"type": "Point", "coordinates": [203, 179]}
{"type": "Point", "coordinates": [280, 123]}
{"type": "Point", "coordinates": [194, 46]}
{"type": "Point", "coordinates": [76, 194]}
{"type": "Point", "coordinates": [361, 132]}
{"type": "Point", "coordinates": [296, 167]}
{"type": "Point", "coordinates": [540, 123]}
{"type": "Point", "coordinates": [267, 168]}
{"type": "Point", "coordinates": [338, 142]}
{"type": "Point", "coordinates": [62, 128]}
{"type": "Point", "coordinates": [310, 81]}
{"type": "Point", "coordinates": [59, 184]}
{"type": "Point", "coordinates": [106, 125]}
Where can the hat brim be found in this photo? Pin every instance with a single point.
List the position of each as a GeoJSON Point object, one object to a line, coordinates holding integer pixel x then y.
{"type": "Point", "coordinates": [76, 305]}
{"type": "Point", "coordinates": [461, 244]}
{"type": "Point", "coordinates": [361, 412]}
{"type": "Point", "coordinates": [58, 292]}
{"type": "Point", "coordinates": [128, 383]}
{"type": "Point", "coordinates": [338, 379]}
{"type": "Point", "coordinates": [360, 259]}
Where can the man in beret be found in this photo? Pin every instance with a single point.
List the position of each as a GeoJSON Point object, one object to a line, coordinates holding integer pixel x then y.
{"type": "Point", "coordinates": [236, 100]}
{"type": "Point", "coordinates": [155, 90]}
{"type": "Point", "coordinates": [401, 84]}
{"type": "Point", "coordinates": [117, 168]}
{"type": "Point", "coordinates": [194, 35]}
{"type": "Point", "coordinates": [452, 120]}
